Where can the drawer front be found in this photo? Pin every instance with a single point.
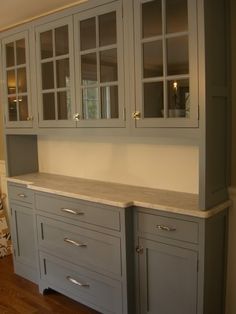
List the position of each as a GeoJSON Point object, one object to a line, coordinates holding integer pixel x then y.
{"type": "Point", "coordinates": [19, 193]}
{"type": "Point", "coordinates": [102, 293]}
{"type": "Point", "coordinates": [97, 214]}
{"type": "Point", "coordinates": [168, 227]}
{"type": "Point", "coordinates": [91, 249]}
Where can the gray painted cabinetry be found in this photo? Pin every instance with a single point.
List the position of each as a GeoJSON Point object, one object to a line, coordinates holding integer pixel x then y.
{"type": "Point", "coordinates": [22, 229]}
{"type": "Point", "coordinates": [82, 252]}
{"type": "Point", "coordinates": [180, 263]}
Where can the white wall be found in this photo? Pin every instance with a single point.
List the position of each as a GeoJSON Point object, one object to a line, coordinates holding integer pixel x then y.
{"type": "Point", "coordinates": [150, 162]}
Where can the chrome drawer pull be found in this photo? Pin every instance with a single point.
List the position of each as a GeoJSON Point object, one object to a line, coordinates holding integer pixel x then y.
{"type": "Point", "coordinates": [75, 243]}
{"type": "Point", "coordinates": [75, 282]}
{"type": "Point", "coordinates": [72, 211]}
{"type": "Point", "coordinates": [22, 195]}
{"type": "Point", "coordinates": [165, 228]}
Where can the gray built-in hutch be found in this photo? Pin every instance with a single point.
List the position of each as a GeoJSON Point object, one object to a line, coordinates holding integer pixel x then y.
{"type": "Point", "coordinates": [133, 68]}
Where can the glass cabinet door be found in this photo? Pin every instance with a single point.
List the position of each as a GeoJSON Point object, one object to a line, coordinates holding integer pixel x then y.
{"type": "Point", "coordinates": [18, 112]}
{"type": "Point", "coordinates": [99, 67]}
{"type": "Point", "coordinates": [55, 74]}
{"type": "Point", "coordinates": [166, 63]}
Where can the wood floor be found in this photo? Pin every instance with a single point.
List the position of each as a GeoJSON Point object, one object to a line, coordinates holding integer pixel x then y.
{"type": "Point", "coordinates": [20, 296]}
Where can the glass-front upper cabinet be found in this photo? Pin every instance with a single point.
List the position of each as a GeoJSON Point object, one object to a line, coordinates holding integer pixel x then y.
{"type": "Point", "coordinates": [166, 63]}
{"type": "Point", "coordinates": [55, 70]}
{"type": "Point", "coordinates": [16, 81]}
{"type": "Point", "coordinates": [99, 67]}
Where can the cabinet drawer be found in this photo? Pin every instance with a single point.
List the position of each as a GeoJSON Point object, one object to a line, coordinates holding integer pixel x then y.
{"type": "Point", "coordinates": [93, 213]}
{"type": "Point", "coordinates": [19, 193]}
{"type": "Point", "coordinates": [97, 291]}
{"type": "Point", "coordinates": [168, 227]}
{"type": "Point", "coordinates": [91, 249]}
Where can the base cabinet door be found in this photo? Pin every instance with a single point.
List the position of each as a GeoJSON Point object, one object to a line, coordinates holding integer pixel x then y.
{"type": "Point", "coordinates": [24, 243]}
{"type": "Point", "coordinates": [167, 278]}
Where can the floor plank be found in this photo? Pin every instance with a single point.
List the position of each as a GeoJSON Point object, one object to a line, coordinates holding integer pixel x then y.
{"type": "Point", "coordinates": [20, 296]}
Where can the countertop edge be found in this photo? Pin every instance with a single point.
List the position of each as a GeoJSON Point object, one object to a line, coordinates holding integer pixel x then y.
{"type": "Point", "coordinates": [165, 208]}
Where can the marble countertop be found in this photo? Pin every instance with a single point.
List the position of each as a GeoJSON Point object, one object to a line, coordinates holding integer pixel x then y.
{"type": "Point", "coordinates": [115, 194]}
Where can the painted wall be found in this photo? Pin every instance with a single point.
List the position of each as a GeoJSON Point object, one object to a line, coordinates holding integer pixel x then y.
{"type": "Point", "coordinates": [1, 135]}
{"type": "Point", "coordinates": [233, 67]}
{"type": "Point", "coordinates": [158, 163]}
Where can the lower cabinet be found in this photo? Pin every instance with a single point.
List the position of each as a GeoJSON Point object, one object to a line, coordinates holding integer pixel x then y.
{"type": "Point", "coordinates": [22, 230]}
{"type": "Point", "coordinates": [90, 252]}
{"type": "Point", "coordinates": [168, 279]}
{"type": "Point", "coordinates": [84, 257]}
{"type": "Point", "coordinates": [180, 263]}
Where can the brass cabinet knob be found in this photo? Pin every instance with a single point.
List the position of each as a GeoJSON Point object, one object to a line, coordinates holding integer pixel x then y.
{"type": "Point", "coordinates": [76, 116]}
{"type": "Point", "coordinates": [136, 115]}
{"type": "Point", "coordinates": [30, 118]}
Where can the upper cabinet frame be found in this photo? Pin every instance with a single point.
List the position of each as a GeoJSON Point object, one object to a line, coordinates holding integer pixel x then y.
{"type": "Point", "coordinates": [99, 64]}
{"type": "Point", "coordinates": [166, 64]}
{"type": "Point", "coordinates": [55, 73]}
{"type": "Point", "coordinates": [17, 97]}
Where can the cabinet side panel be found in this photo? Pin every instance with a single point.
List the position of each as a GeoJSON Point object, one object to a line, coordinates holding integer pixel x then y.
{"type": "Point", "coordinates": [22, 154]}
{"type": "Point", "coordinates": [215, 264]}
{"type": "Point", "coordinates": [214, 149]}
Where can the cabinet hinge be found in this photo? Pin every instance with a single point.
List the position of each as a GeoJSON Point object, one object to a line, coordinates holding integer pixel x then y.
{"type": "Point", "coordinates": [124, 114]}
{"type": "Point", "coordinates": [42, 234]}
{"type": "Point", "coordinates": [197, 265]}
{"type": "Point", "coordinates": [198, 112]}
{"type": "Point", "coordinates": [5, 120]}
{"type": "Point", "coordinates": [14, 252]}
{"type": "Point", "coordinates": [38, 116]}
{"type": "Point", "coordinates": [139, 249]}
{"type": "Point", "coordinates": [11, 211]}
{"type": "Point", "coordinates": [44, 266]}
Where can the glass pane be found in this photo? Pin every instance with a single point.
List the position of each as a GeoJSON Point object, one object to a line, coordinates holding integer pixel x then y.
{"type": "Point", "coordinates": [88, 34]}
{"type": "Point", "coordinates": [21, 80]}
{"type": "Point", "coordinates": [10, 55]}
{"type": "Point", "coordinates": [109, 102]}
{"type": "Point", "coordinates": [11, 82]}
{"type": "Point", "coordinates": [177, 55]}
{"type": "Point", "coordinates": [152, 59]}
{"type": "Point", "coordinates": [90, 103]}
{"type": "Point", "coordinates": [89, 69]}
{"type": "Point", "coordinates": [107, 29]}
{"type": "Point", "coordinates": [63, 105]}
{"type": "Point", "coordinates": [178, 98]}
{"type": "Point", "coordinates": [108, 65]}
{"type": "Point", "coordinates": [12, 109]}
{"type": "Point", "coordinates": [20, 52]}
{"type": "Point", "coordinates": [63, 73]}
{"type": "Point", "coordinates": [46, 45]}
{"type": "Point", "coordinates": [62, 40]}
{"type": "Point", "coordinates": [49, 107]}
{"type": "Point", "coordinates": [23, 108]}
{"type": "Point", "coordinates": [47, 75]}
{"type": "Point", "coordinates": [151, 18]}
{"type": "Point", "coordinates": [153, 100]}
{"type": "Point", "coordinates": [176, 16]}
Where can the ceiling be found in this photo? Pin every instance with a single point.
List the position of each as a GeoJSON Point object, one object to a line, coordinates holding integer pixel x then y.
{"type": "Point", "coordinates": [16, 11]}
